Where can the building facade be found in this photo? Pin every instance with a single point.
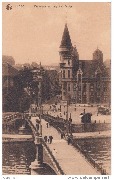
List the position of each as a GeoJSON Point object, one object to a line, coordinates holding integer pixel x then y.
{"type": "Point", "coordinates": [82, 81]}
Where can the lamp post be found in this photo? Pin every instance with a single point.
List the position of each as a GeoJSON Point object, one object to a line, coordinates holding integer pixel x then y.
{"type": "Point", "coordinates": [39, 100]}
{"type": "Point", "coordinates": [37, 76]}
{"type": "Point", "coordinates": [67, 122]}
{"type": "Point", "coordinates": [38, 163]}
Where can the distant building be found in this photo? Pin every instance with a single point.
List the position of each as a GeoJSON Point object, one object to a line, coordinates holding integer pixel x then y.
{"type": "Point", "coordinates": [51, 67]}
{"type": "Point", "coordinates": [82, 81]}
{"type": "Point", "coordinates": [8, 74]}
{"type": "Point", "coordinates": [8, 59]}
{"type": "Point", "coordinates": [9, 91]}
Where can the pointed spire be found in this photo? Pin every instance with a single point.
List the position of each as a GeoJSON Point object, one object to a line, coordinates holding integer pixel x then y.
{"type": "Point", "coordinates": [66, 18]}
{"type": "Point", "coordinates": [66, 41]}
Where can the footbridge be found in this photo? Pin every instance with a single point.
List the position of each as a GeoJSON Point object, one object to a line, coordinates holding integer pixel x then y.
{"type": "Point", "coordinates": [65, 161]}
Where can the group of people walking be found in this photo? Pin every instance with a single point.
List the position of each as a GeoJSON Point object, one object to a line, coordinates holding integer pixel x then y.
{"type": "Point", "coordinates": [48, 139]}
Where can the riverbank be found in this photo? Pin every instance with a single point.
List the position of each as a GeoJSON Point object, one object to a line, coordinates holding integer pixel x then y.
{"type": "Point", "coordinates": [89, 135]}
{"type": "Point", "coordinates": [16, 138]}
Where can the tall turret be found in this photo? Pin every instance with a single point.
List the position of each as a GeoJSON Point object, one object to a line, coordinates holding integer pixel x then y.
{"type": "Point", "coordinates": [66, 41]}
{"type": "Point", "coordinates": [66, 46]}
{"type": "Point", "coordinates": [66, 64]}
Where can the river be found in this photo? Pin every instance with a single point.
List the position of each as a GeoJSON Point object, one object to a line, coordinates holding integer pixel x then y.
{"type": "Point", "coordinates": [17, 157]}
{"type": "Point", "coordinates": [97, 149]}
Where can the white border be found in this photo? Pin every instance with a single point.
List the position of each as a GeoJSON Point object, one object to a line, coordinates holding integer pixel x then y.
{"type": "Point", "coordinates": [112, 97]}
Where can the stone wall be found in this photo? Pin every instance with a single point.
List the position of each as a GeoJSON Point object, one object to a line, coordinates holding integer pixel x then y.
{"type": "Point", "coordinates": [90, 127]}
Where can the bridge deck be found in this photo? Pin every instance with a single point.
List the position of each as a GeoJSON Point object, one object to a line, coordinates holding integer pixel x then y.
{"type": "Point", "coordinates": [70, 160]}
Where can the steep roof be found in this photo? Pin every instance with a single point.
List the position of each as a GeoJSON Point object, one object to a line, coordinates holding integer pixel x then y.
{"type": "Point", "coordinates": [66, 41]}
{"type": "Point", "coordinates": [97, 51]}
{"type": "Point", "coordinates": [89, 68]}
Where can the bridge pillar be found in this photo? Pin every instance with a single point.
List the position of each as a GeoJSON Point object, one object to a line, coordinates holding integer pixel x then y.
{"type": "Point", "coordinates": [37, 167]}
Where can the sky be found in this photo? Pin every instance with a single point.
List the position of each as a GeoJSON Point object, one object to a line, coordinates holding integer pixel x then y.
{"type": "Point", "coordinates": [33, 34]}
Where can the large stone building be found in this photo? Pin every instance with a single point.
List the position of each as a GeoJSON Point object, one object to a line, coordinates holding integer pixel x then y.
{"type": "Point", "coordinates": [8, 75]}
{"type": "Point", "coordinates": [9, 91]}
{"type": "Point", "coordinates": [82, 81]}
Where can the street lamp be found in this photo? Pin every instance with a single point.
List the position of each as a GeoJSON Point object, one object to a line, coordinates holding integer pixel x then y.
{"type": "Point", "coordinates": [39, 100]}
{"type": "Point", "coordinates": [37, 77]}
{"type": "Point", "coordinates": [67, 122]}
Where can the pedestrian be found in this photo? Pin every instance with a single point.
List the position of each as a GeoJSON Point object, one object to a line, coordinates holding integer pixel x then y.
{"type": "Point", "coordinates": [70, 120]}
{"type": "Point", "coordinates": [45, 139]}
{"type": "Point", "coordinates": [61, 135]}
{"type": "Point", "coordinates": [50, 139]}
{"type": "Point", "coordinates": [69, 140]}
{"type": "Point", "coordinates": [37, 126]}
{"type": "Point", "coordinates": [47, 124]}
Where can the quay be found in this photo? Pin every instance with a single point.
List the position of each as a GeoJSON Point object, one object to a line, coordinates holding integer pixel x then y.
{"type": "Point", "coordinates": [16, 138]}
{"type": "Point", "coordinates": [92, 135]}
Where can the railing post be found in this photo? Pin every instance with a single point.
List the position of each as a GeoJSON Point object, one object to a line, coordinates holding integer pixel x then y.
{"type": "Point", "coordinates": [37, 166]}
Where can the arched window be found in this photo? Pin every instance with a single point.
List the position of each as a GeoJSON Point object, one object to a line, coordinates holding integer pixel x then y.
{"type": "Point", "coordinates": [68, 73]}
{"type": "Point", "coordinates": [68, 87]}
{"type": "Point", "coordinates": [63, 73]}
{"type": "Point", "coordinates": [79, 77]}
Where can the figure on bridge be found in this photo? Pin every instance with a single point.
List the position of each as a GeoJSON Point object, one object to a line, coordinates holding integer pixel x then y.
{"type": "Point", "coordinates": [45, 139]}
{"type": "Point", "coordinates": [47, 124]}
{"type": "Point", "coordinates": [50, 139]}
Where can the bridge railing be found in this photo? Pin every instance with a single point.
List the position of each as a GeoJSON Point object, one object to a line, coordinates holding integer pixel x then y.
{"type": "Point", "coordinates": [92, 161]}
{"type": "Point", "coordinates": [53, 159]}
{"type": "Point", "coordinates": [7, 118]}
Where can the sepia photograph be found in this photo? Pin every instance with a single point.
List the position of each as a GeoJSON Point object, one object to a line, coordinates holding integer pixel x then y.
{"type": "Point", "coordinates": [56, 88]}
